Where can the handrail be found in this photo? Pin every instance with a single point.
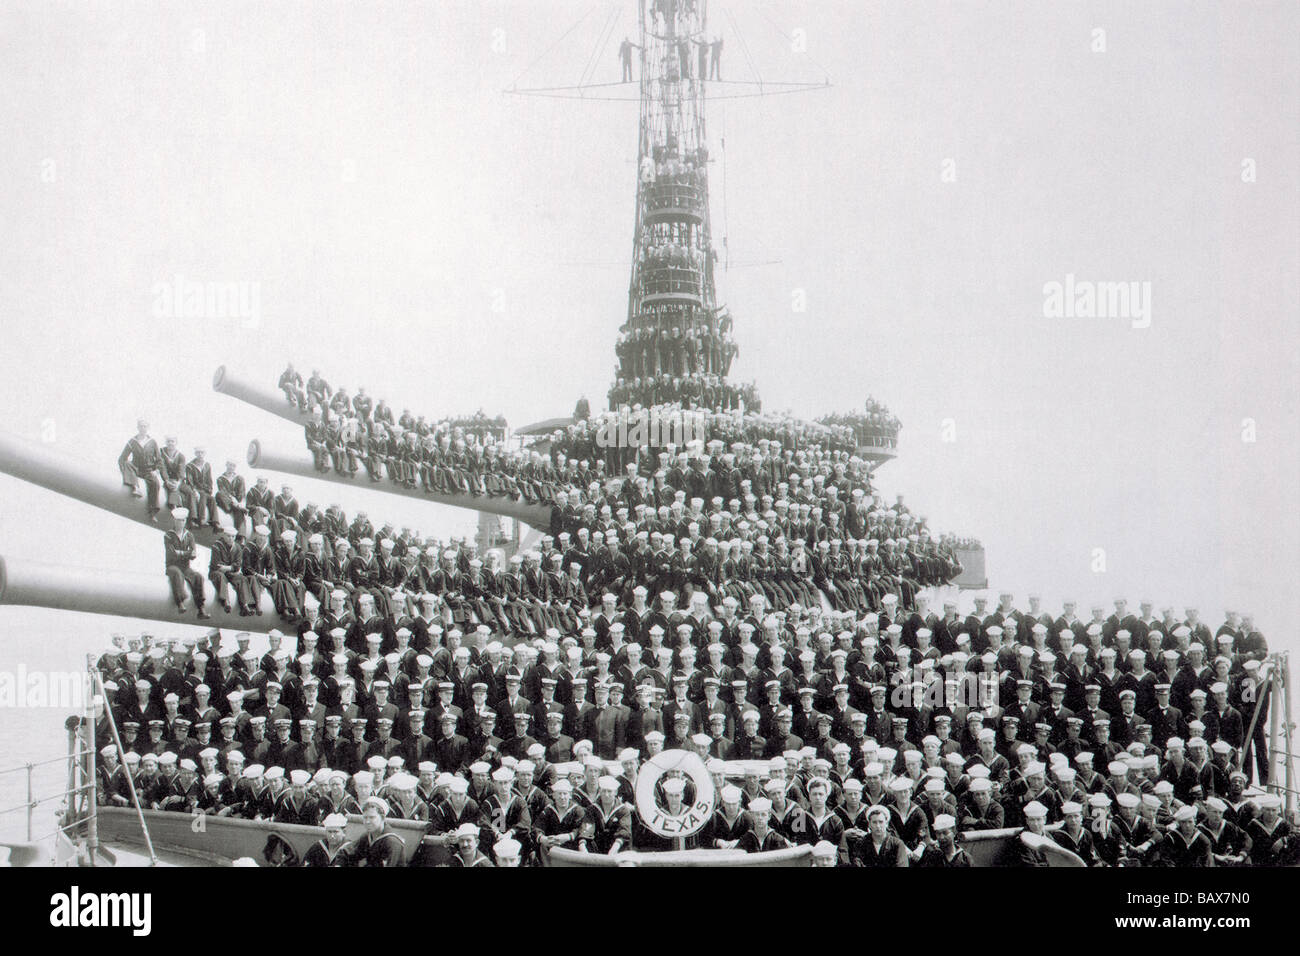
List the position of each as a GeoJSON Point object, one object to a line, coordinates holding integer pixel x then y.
{"type": "Point", "coordinates": [38, 801]}
{"type": "Point", "coordinates": [42, 763]}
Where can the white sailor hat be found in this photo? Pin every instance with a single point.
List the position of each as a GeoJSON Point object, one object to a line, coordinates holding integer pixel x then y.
{"type": "Point", "coordinates": [402, 782]}
{"type": "Point", "coordinates": [1127, 800]}
{"type": "Point", "coordinates": [1185, 813]}
{"type": "Point", "coordinates": [673, 786]}
{"type": "Point", "coordinates": [944, 821]}
{"type": "Point", "coordinates": [1035, 811]}
{"type": "Point", "coordinates": [465, 830]}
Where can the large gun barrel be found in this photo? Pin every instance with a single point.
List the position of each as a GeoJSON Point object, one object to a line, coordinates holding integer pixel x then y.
{"type": "Point", "coordinates": [34, 463]}
{"type": "Point", "coordinates": [259, 456]}
{"type": "Point", "coordinates": [269, 400]}
{"type": "Point", "coordinates": [115, 593]}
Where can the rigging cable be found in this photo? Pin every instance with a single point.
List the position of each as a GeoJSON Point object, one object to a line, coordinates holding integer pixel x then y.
{"type": "Point", "coordinates": [744, 47]}
{"type": "Point", "coordinates": [785, 37]}
{"type": "Point", "coordinates": [726, 248]}
{"type": "Point", "coordinates": [539, 57]}
{"type": "Point", "coordinates": [601, 39]}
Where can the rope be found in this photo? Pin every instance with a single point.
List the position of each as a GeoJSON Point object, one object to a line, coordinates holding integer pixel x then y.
{"type": "Point", "coordinates": [785, 37]}
{"type": "Point", "coordinates": [744, 47]}
{"type": "Point", "coordinates": [726, 229]}
{"type": "Point", "coordinates": [540, 56]}
{"type": "Point", "coordinates": [601, 39]}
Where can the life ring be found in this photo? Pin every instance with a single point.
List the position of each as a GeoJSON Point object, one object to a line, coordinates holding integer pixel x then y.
{"type": "Point", "coordinates": [693, 816]}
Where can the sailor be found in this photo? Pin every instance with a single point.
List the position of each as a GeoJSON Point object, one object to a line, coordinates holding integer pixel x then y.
{"type": "Point", "coordinates": [609, 827]}
{"type": "Point", "coordinates": [179, 550]}
{"type": "Point", "coordinates": [761, 837]}
{"type": "Point", "coordinates": [560, 823]}
{"type": "Point", "coordinates": [1274, 840]}
{"type": "Point", "coordinates": [1229, 844]}
{"type": "Point", "coordinates": [945, 852]}
{"type": "Point", "coordinates": [467, 852]}
{"type": "Point", "coordinates": [296, 805]}
{"type": "Point", "coordinates": [140, 461]}
{"type": "Point", "coordinates": [878, 846]}
{"type": "Point", "coordinates": [378, 845]}
{"type": "Point", "coordinates": [1030, 853]}
{"type": "Point", "coordinates": [328, 851]}
{"type": "Point", "coordinates": [1186, 845]}
{"type": "Point", "coordinates": [508, 852]}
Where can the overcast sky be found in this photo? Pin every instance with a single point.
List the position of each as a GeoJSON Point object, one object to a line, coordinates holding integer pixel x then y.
{"type": "Point", "coordinates": [409, 227]}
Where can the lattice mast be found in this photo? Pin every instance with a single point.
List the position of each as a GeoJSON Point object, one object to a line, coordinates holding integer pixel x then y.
{"type": "Point", "coordinates": [673, 322]}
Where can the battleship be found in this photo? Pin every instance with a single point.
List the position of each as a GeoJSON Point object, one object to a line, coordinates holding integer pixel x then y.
{"type": "Point", "coordinates": [673, 348]}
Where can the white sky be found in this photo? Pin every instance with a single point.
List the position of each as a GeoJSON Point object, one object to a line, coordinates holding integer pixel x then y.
{"type": "Point", "coordinates": [360, 164]}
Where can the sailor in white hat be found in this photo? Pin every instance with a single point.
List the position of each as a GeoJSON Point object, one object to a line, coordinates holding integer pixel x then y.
{"type": "Point", "coordinates": [327, 852]}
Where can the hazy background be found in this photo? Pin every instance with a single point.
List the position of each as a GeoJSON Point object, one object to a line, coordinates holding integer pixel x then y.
{"type": "Point", "coordinates": [413, 229]}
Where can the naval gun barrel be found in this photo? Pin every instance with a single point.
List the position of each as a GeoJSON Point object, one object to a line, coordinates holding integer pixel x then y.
{"type": "Point", "coordinates": [301, 464]}
{"type": "Point", "coordinates": [253, 393]}
{"type": "Point", "coordinates": [38, 465]}
{"type": "Point", "coordinates": [115, 593]}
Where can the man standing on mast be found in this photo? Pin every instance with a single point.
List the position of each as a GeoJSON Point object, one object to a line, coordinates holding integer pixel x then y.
{"type": "Point", "coordinates": [625, 54]}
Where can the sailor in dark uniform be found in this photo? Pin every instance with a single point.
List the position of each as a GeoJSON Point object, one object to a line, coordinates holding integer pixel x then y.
{"type": "Point", "coordinates": [467, 852]}
{"type": "Point", "coordinates": [878, 846]}
{"type": "Point", "coordinates": [1035, 818]}
{"type": "Point", "coordinates": [560, 823]}
{"type": "Point", "coordinates": [1186, 844]}
{"type": "Point", "coordinates": [328, 852]}
{"type": "Point", "coordinates": [1073, 836]}
{"type": "Point", "coordinates": [378, 845]}
{"type": "Point", "coordinates": [945, 852]}
{"type": "Point", "coordinates": [140, 461]}
{"type": "Point", "coordinates": [1229, 843]}
{"type": "Point", "coordinates": [760, 837]}
{"type": "Point", "coordinates": [1274, 841]}
{"type": "Point", "coordinates": [179, 550]}
{"type": "Point", "coordinates": [609, 826]}
{"type": "Point", "coordinates": [297, 805]}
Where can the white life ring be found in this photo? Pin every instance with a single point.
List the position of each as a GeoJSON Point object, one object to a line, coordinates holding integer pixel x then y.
{"type": "Point", "coordinates": [693, 816]}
